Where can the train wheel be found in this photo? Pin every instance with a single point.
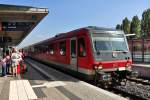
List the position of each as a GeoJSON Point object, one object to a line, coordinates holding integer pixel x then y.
{"type": "Point", "coordinates": [123, 82]}
{"type": "Point", "coordinates": [105, 86]}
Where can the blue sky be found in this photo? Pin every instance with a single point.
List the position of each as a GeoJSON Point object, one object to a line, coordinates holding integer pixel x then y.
{"type": "Point", "coordinates": [66, 15]}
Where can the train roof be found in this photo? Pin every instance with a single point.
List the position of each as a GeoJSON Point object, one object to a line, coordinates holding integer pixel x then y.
{"type": "Point", "coordinates": [96, 29]}
{"type": "Point", "coordinates": [89, 28]}
{"type": "Point", "coordinates": [99, 28]}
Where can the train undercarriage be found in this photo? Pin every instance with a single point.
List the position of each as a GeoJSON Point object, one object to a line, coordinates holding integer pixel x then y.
{"type": "Point", "coordinates": [113, 78]}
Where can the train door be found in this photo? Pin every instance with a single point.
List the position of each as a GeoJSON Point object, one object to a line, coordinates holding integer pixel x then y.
{"type": "Point", "coordinates": [73, 54]}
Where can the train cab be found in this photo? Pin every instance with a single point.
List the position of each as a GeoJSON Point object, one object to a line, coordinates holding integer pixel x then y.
{"type": "Point", "coordinates": [111, 53]}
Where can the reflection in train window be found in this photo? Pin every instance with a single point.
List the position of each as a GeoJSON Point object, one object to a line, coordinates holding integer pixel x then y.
{"type": "Point", "coordinates": [62, 48]}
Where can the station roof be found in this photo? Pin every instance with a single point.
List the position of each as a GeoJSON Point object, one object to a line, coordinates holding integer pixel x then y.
{"type": "Point", "coordinates": [16, 22]}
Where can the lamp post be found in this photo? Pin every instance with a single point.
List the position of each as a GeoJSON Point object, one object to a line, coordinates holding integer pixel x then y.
{"type": "Point", "coordinates": [132, 47]}
{"type": "Point", "coordinates": [142, 47]}
{"type": "Point", "coordinates": [130, 36]}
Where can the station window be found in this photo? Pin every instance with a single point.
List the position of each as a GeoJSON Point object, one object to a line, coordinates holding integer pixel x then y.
{"type": "Point", "coordinates": [62, 48]}
{"type": "Point", "coordinates": [81, 47]}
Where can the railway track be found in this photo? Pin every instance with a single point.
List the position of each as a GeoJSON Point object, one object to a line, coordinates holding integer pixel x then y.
{"type": "Point", "coordinates": [135, 89]}
{"type": "Point", "coordinates": [126, 94]}
{"type": "Point", "coordinates": [140, 80]}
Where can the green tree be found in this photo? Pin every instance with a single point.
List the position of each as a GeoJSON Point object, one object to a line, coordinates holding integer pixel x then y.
{"type": "Point", "coordinates": [118, 27]}
{"type": "Point", "coordinates": [135, 26]}
{"type": "Point", "coordinates": [145, 23]}
{"type": "Point", "coordinates": [126, 25]}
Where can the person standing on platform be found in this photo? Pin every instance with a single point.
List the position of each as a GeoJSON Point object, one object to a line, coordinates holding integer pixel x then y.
{"type": "Point", "coordinates": [21, 54]}
{"type": "Point", "coordinates": [3, 62]}
{"type": "Point", "coordinates": [15, 61]}
{"type": "Point", "coordinates": [8, 62]}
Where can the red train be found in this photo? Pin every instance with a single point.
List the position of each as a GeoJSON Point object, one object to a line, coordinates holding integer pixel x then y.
{"type": "Point", "coordinates": [93, 53]}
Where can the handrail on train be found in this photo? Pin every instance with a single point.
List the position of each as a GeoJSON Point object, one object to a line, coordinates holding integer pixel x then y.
{"type": "Point", "coordinates": [130, 35]}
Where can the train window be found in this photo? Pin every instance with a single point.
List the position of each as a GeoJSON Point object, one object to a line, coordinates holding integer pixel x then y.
{"type": "Point", "coordinates": [81, 47]}
{"type": "Point", "coordinates": [51, 49]}
{"type": "Point", "coordinates": [43, 49]}
{"type": "Point", "coordinates": [62, 48]}
{"type": "Point", "coordinates": [46, 49]}
{"type": "Point", "coordinates": [40, 49]}
{"type": "Point", "coordinates": [36, 49]}
{"type": "Point", "coordinates": [73, 48]}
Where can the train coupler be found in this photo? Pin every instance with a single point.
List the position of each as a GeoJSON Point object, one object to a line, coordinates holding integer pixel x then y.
{"type": "Point", "coordinates": [104, 76]}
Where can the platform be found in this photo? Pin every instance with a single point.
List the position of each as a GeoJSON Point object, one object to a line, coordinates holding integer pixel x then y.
{"type": "Point", "coordinates": [44, 83]}
{"type": "Point", "coordinates": [17, 22]}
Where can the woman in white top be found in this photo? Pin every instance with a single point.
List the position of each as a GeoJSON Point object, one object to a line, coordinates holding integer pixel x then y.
{"type": "Point", "coordinates": [15, 57]}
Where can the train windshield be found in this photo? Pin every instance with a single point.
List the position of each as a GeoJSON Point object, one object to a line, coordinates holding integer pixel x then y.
{"type": "Point", "coordinates": [109, 42]}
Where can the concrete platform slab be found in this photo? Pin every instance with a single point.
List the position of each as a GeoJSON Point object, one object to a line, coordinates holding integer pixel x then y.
{"type": "Point", "coordinates": [55, 86]}
{"type": "Point", "coordinates": [73, 89]}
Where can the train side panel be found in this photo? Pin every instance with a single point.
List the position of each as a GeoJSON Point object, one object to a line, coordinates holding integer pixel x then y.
{"type": "Point", "coordinates": [85, 61]}
{"type": "Point", "coordinates": [84, 57]}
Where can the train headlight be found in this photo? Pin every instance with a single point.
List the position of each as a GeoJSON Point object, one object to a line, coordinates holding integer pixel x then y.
{"type": "Point", "coordinates": [128, 66]}
{"type": "Point", "coordinates": [95, 67]}
{"type": "Point", "coordinates": [100, 67]}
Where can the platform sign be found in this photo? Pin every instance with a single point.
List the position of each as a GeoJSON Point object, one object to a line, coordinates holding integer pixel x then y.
{"type": "Point", "coordinates": [16, 26]}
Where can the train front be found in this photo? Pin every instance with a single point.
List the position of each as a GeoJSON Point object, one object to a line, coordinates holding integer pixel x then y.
{"type": "Point", "coordinates": [112, 59]}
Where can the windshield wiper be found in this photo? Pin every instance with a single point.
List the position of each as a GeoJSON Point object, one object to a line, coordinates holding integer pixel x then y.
{"type": "Point", "coordinates": [98, 52]}
{"type": "Point", "coordinates": [121, 51]}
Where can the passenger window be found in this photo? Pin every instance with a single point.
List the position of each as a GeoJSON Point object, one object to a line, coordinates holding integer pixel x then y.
{"type": "Point", "coordinates": [62, 48]}
{"type": "Point", "coordinates": [47, 49]}
{"type": "Point", "coordinates": [81, 47]}
{"type": "Point", "coordinates": [51, 49]}
{"type": "Point", "coordinates": [35, 49]}
{"type": "Point", "coordinates": [41, 49]}
{"type": "Point", "coordinates": [44, 49]}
